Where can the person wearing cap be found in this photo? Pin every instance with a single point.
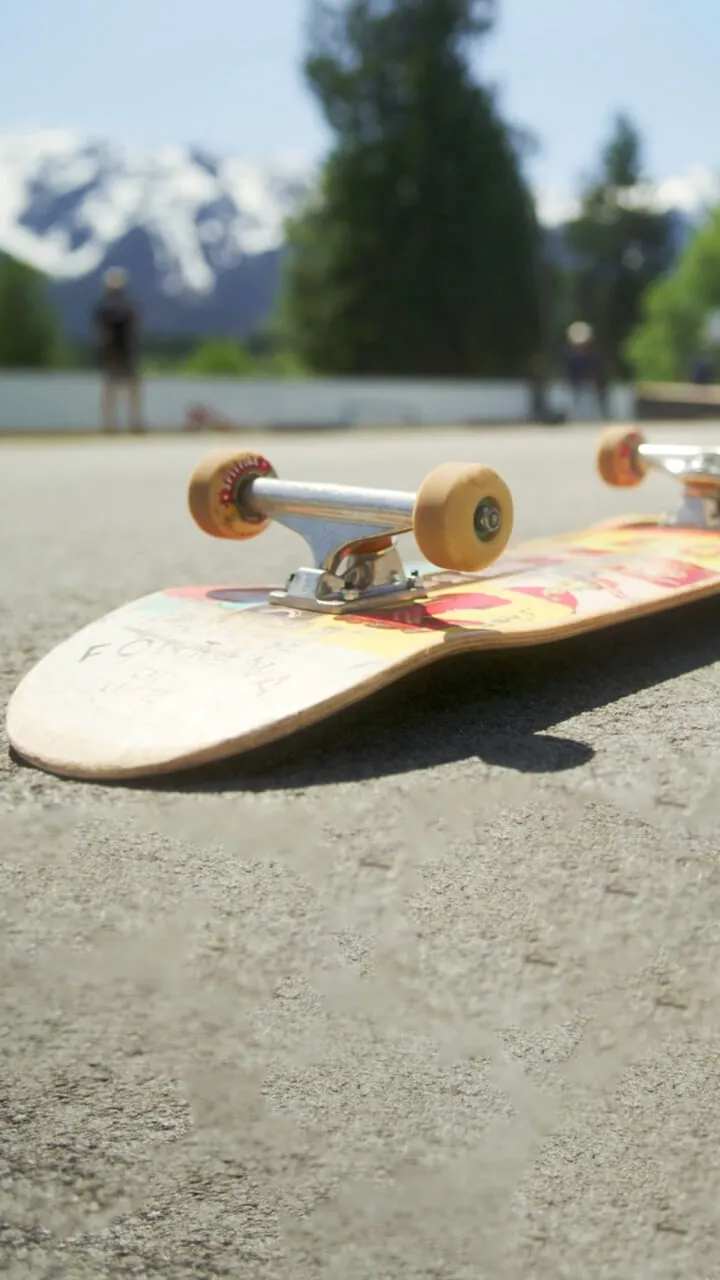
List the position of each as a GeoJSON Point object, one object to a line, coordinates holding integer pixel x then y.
{"type": "Point", "coordinates": [116, 325]}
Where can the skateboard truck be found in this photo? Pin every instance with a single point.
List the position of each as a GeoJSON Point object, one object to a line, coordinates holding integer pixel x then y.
{"type": "Point", "coordinates": [349, 532]}
{"type": "Point", "coordinates": [624, 458]}
{"type": "Point", "coordinates": [461, 518]}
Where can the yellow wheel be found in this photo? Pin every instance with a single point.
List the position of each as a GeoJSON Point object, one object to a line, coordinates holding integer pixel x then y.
{"type": "Point", "coordinates": [463, 516]}
{"type": "Point", "coordinates": [617, 458]}
{"type": "Point", "coordinates": [215, 493]}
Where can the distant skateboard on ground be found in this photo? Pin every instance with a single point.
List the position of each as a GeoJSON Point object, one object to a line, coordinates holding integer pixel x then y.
{"type": "Point", "coordinates": [193, 674]}
{"type": "Point", "coordinates": [200, 418]}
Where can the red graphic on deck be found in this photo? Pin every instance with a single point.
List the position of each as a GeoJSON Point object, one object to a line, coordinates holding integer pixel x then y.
{"type": "Point", "coordinates": [189, 593]}
{"type": "Point", "coordinates": [608, 584]}
{"type": "Point", "coordinates": [671, 574]}
{"type": "Point", "coordinates": [436, 615]}
{"type": "Point", "coordinates": [565, 598]}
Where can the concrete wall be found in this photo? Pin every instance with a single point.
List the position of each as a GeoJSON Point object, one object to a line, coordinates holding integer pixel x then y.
{"type": "Point", "coordinates": [71, 401]}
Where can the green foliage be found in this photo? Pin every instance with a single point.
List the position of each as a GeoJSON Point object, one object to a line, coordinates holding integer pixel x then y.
{"type": "Point", "coordinates": [217, 356]}
{"type": "Point", "coordinates": [619, 243]}
{"type": "Point", "coordinates": [30, 334]}
{"type": "Point", "coordinates": [281, 364]}
{"type": "Point", "coordinates": [160, 353]}
{"type": "Point", "coordinates": [675, 310]}
{"type": "Point", "coordinates": [416, 256]}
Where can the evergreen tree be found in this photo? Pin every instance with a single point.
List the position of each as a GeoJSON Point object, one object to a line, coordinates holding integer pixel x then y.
{"type": "Point", "coordinates": [29, 329]}
{"type": "Point", "coordinates": [620, 245]}
{"type": "Point", "coordinates": [417, 255]}
{"type": "Point", "coordinates": [676, 310]}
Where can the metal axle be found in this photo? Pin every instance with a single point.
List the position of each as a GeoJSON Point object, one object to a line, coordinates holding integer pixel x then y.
{"type": "Point", "coordinates": [698, 470]}
{"type": "Point", "coordinates": [349, 531]}
{"type": "Point", "coordinates": [321, 513]}
{"type": "Point", "coordinates": [686, 462]}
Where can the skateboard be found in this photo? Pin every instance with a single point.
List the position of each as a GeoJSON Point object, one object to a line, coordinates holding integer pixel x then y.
{"type": "Point", "coordinates": [194, 674]}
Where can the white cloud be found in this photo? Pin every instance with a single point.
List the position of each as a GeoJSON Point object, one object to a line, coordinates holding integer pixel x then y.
{"type": "Point", "coordinates": [691, 193]}
{"type": "Point", "coordinates": [554, 206]}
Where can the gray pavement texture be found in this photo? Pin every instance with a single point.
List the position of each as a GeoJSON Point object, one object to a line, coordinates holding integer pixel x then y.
{"type": "Point", "coordinates": [432, 991]}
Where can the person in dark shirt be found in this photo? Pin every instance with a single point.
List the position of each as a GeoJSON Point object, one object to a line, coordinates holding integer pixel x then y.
{"type": "Point", "coordinates": [702, 370]}
{"type": "Point", "coordinates": [585, 366]}
{"type": "Point", "coordinates": [116, 326]}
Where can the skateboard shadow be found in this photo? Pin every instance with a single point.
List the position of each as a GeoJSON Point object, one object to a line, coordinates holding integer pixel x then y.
{"type": "Point", "coordinates": [499, 708]}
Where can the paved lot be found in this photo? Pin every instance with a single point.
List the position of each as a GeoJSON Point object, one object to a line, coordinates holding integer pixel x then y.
{"type": "Point", "coordinates": [433, 993]}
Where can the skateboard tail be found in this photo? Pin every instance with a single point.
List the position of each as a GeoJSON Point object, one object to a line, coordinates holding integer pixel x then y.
{"type": "Point", "coordinates": [101, 745]}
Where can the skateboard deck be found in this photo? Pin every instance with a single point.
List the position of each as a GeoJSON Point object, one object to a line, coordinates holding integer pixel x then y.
{"type": "Point", "coordinates": [195, 674]}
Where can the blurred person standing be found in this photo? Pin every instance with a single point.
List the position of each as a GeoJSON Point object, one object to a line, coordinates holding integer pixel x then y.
{"type": "Point", "coordinates": [702, 370]}
{"type": "Point", "coordinates": [116, 325]}
{"type": "Point", "coordinates": [585, 367]}
{"type": "Point", "coordinates": [599, 375]}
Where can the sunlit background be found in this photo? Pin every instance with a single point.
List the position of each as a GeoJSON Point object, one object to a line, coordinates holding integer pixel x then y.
{"type": "Point", "coordinates": [177, 142]}
{"type": "Point", "coordinates": [432, 989]}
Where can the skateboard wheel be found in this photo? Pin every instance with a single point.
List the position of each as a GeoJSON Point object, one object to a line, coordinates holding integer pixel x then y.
{"type": "Point", "coordinates": [618, 461]}
{"type": "Point", "coordinates": [215, 493]}
{"type": "Point", "coordinates": [463, 516]}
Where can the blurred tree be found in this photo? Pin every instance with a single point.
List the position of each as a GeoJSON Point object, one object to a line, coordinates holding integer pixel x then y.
{"type": "Point", "coordinates": [30, 332]}
{"type": "Point", "coordinates": [219, 355]}
{"type": "Point", "coordinates": [417, 254]}
{"type": "Point", "coordinates": [620, 244]}
{"type": "Point", "coordinates": [673, 328]}
{"type": "Point", "coordinates": [226, 356]}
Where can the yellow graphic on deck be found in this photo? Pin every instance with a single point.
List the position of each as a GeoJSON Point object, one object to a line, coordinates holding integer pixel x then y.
{"type": "Point", "coordinates": [561, 584]}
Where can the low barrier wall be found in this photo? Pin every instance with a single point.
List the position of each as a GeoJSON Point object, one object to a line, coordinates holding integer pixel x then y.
{"type": "Point", "coordinates": [63, 402]}
{"type": "Point", "coordinates": [676, 401]}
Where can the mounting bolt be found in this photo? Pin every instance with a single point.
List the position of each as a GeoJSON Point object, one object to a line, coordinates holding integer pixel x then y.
{"type": "Point", "coordinates": [487, 519]}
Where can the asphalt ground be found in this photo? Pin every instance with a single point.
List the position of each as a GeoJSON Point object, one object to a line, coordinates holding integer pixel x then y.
{"type": "Point", "coordinates": [432, 991]}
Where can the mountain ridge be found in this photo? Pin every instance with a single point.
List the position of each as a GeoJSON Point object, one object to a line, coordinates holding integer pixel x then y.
{"type": "Point", "coordinates": [200, 235]}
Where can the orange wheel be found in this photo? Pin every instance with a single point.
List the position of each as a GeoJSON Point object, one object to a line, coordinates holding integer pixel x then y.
{"type": "Point", "coordinates": [463, 516]}
{"type": "Point", "coordinates": [215, 493]}
{"type": "Point", "coordinates": [617, 457]}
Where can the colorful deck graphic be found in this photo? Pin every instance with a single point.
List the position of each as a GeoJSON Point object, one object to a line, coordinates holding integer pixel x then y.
{"type": "Point", "coordinates": [194, 674]}
{"type": "Point", "coordinates": [611, 569]}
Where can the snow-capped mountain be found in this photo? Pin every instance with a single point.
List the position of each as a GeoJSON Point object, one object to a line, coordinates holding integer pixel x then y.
{"type": "Point", "coordinates": [200, 235]}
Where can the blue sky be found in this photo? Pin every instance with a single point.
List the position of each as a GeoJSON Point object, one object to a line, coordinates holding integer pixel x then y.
{"type": "Point", "coordinates": [226, 74]}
